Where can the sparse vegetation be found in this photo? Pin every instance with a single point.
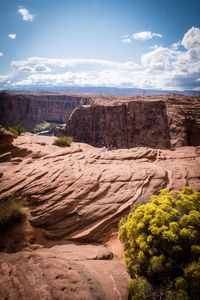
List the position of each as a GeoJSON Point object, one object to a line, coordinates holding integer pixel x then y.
{"type": "Point", "coordinates": [64, 141]}
{"type": "Point", "coordinates": [11, 211]}
{"type": "Point", "coordinates": [16, 130]}
{"type": "Point", "coordinates": [162, 246]}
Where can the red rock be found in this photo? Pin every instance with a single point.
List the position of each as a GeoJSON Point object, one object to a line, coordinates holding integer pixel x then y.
{"type": "Point", "coordinates": [81, 192]}
{"type": "Point", "coordinates": [62, 272]}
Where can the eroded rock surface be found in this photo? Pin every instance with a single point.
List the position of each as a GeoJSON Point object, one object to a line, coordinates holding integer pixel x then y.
{"type": "Point", "coordinates": [62, 272]}
{"type": "Point", "coordinates": [162, 122]}
{"type": "Point", "coordinates": [80, 193]}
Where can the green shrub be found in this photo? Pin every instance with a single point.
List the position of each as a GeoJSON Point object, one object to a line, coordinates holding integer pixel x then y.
{"type": "Point", "coordinates": [16, 130]}
{"type": "Point", "coordinates": [64, 141]}
{"type": "Point", "coordinates": [11, 211]}
{"type": "Point", "coordinates": [140, 289]}
{"type": "Point", "coordinates": [162, 242]}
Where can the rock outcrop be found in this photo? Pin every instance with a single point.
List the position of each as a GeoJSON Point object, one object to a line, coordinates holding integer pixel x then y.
{"type": "Point", "coordinates": [6, 139]}
{"type": "Point", "coordinates": [80, 193]}
{"type": "Point", "coordinates": [30, 109]}
{"type": "Point", "coordinates": [157, 122]}
{"type": "Point", "coordinates": [127, 125]}
{"type": "Point", "coordinates": [62, 272]}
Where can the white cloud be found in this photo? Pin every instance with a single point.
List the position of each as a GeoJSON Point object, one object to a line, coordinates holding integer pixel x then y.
{"type": "Point", "coordinates": [141, 36]}
{"type": "Point", "coordinates": [1, 54]}
{"type": "Point", "coordinates": [12, 36]}
{"type": "Point", "coordinates": [126, 40]}
{"type": "Point", "coordinates": [145, 35]}
{"type": "Point", "coordinates": [26, 16]}
{"type": "Point", "coordinates": [191, 38]}
{"type": "Point", "coordinates": [159, 59]}
{"type": "Point", "coordinates": [73, 63]}
{"type": "Point", "coordinates": [173, 67]}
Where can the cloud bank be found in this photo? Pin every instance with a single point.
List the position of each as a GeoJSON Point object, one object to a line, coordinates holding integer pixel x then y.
{"type": "Point", "coordinates": [173, 67]}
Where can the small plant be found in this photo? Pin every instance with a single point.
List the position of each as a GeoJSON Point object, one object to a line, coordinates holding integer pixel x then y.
{"type": "Point", "coordinates": [64, 141]}
{"type": "Point", "coordinates": [11, 211]}
{"type": "Point", "coordinates": [162, 246]}
{"type": "Point", "coordinates": [16, 130]}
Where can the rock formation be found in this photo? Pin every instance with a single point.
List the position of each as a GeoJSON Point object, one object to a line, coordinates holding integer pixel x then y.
{"type": "Point", "coordinates": [80, 193]}
{"type": "Point", "coordinates": [32, 108]}
{"type": "Point", "coordinates": [158, 122]}
{"type": "Point", "coordinates": [62, 272]}
{"type": "Point", "coordinates": [127, 125]}
{"type": "Point", "coordinates": [77, 195]}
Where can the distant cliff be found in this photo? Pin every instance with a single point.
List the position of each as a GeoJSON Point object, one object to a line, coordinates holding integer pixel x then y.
{"type": "Point", "coordinates": [30, 109]}
{"type": "Point", "coordinates": [127, 125]}
{"type": "Point", "coordinates": [158, 122]}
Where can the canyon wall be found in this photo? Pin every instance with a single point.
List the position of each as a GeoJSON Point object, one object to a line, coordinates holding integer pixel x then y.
{"type": "Point", "coordinates": [165, 121]}
{"type": "Point", "coordinates": [127, 125]}
{"type": "Point", "coordinates": [159, 122]}
{"type": "Point", "coordinates": [31, 109]}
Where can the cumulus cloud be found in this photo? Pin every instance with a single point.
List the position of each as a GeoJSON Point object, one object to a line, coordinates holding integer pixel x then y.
{"type": "Point", "coordinates": [140, 36]}
{"type": "Point", "coordinates": [191, 38]}
{"type": "Point", "coordinates": [159, 59]}
{"type": "Point", "coordinates": [12, 36]}
{"type": "Point", "coordinates": [26, 15]}
{"type": "Point", "coordinates": [174, 67]}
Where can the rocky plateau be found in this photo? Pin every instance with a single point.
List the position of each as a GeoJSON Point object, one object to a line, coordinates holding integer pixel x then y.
{"type": "Point", "coordinates": [67, 247]}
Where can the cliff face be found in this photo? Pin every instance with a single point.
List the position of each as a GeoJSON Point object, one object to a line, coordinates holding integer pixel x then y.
{"type": "Point", "coordinates": [30, 109]}
{"type": "Point", "coordinates": [132, 124]}
{"type": "Point", "coordinates": [158, 122]}
{"type": "Point", "coordinates": [184, 120]}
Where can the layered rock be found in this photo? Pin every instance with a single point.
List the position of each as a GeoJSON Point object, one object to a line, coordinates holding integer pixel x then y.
{"type": "Point", "coordinates": [80, 193]}
{"type": "Point", "coordinates": [127, 125]}
{"type": "Point", "coordinates": [158, 122]}
{"type": "Point", "coordinates": [6, 139]}
{"type": "Point", "coordinates": [31, 109]}
{"type": "Point", "coordinates": [62, 272]}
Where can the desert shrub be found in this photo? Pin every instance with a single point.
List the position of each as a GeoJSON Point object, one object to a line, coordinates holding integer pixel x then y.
{"type": "Point", "coordinates": [162, 243]}
{"type": "Point", "coordinates": [64, 141]}
{"type": "Point", "coordinates": [11, 211]}
{"type": "Point", "coordinates": [140, 289]}
{"type": "Point", "coordinates": [16, 130]}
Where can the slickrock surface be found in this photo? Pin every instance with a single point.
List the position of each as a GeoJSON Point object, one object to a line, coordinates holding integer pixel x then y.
{"type": "Point", "coordinates": [162, 122]}
{"type": "Point", "coordinates": [62, 272]}
{"type": "Point", "coordinates": [80, 193]}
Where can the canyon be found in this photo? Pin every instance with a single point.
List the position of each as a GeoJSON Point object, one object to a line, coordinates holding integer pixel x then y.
{"type": "Point", "coordinates": [125, 150]}
{"type": "Point", "coordinates": [29, 109]}
{"type": "Point", "coordinates": [161, 121]}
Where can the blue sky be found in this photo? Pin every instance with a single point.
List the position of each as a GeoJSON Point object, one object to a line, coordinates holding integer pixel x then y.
{"type": "Point", "coordinates": [135, 43]}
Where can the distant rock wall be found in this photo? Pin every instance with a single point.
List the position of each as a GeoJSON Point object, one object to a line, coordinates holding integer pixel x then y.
{"type": "Point", "coordinates": [158, 122]}
{"type": "Point", "coordinates": [30, 109]}
{"type": "Point", "coordinates": [128, 125]}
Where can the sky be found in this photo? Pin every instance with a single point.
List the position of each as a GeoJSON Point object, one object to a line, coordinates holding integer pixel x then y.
{"type": "Point", "coordinates": [149, 44]}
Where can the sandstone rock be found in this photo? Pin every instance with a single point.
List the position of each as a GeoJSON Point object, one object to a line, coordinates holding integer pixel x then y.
{"type": "Point", "coordinates": [30, 109]}
{"type": "Point", "coordinates": [81, 192]}
{"type": "Point", "coordinates": [128, 125]}
{"type": "Point", "coordinates": [6, 137]}
{"type": "Point", "coordinates": [158, 122]}
{"type": "Point", "coordinates": [62, 272]}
